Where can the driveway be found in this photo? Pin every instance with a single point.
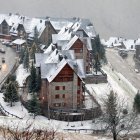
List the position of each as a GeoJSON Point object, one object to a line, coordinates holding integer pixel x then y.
{"type": "Point", "coordinates": [124, 66]}
{"type": "Point", "coordinates": [10, 59]}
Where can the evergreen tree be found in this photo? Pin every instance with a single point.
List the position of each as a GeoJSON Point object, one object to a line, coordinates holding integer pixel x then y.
{"type": "Point", "coordinates": [112, 116]}
{"type": "Point", "coordinates": [26, 60]}
{"type": "Point", "coordinates": [32, 79]}
{"type": "Point", "coordinates": [33, 51]}
{"type": "Point", "coordinates": [99, 49]}
{"type": "Point", "coordinates": [136, 104]}
{"type": "Point", "coordinates": [10, 94]}
{"type": "Point", "coordinates": [38, 82]}
{"type": "Point", "coordinates": [22, 54]}
{"type": "Point", "coordinates": [36, 33]}
{"type": "Point", "coordinates": [97, 64]}
{"type": "Point", "coordinates": [33, 106]}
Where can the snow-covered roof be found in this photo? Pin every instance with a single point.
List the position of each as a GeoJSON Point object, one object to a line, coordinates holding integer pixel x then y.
{"type": "Point", "coordinates": [113, 42]}
{"type": "Point", "coordinates": [129, 44]}
{"type": "Point", "coordinates": [70, 43]}
{"type": "Point", "coordinates": [68, 54]}
{"type": "Point", "coordinates": [50, 70]}
{"type": "Point", "coordinates": [59, 37]}
{"type": "Point", "coordinates": [87, 42]}
{"type": "Point", "coordinates": [79, 63]}
{"type": "Point", "coordinates": [138, 41]}
{"type": "Point", "coordinates": [2, 17]}
{"type": "Point", "coordinates": [19, 41]}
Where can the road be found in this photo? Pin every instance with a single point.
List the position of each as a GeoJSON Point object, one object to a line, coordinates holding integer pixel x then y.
{"type": "Point", "coordinates": [10, 59]}
{"type": "Point", "coordinates": [124, 66]}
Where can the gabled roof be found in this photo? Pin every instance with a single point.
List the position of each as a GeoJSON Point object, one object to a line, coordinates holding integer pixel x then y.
{"type": "Point", "coordinates": [59, 37]}
{"type": "Point", "coordinates": [87, 42]}
{"type": "Point", "coordinates": [50, 70]}
{"type": "Point", "coordinates": [68, 54]}
{"type": "Point", "coordinates": [129, 44]}
{"type": "Point", "coordinates": [138, 41]}
{"type": "Point", "coordinates": [70, 43]}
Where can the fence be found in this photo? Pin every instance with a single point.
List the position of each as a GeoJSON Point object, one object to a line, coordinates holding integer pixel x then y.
{"type": "Point", "coordinates": [93, 131]}
{"type": "Point", "coordinates": [11, 72]}
{"type": "Point", "coordinates": [6, 113]}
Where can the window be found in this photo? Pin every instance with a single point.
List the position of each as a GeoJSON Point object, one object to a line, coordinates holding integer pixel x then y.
{"type": "Point", "coordinates": [63, 104]}
{"type": "Point", "coordinates": [57, 104]}
{"type": "Point", "coordinates": [78, 92]}
{"type": "Point", "coordinates": [63, 87]}
{"type": "Point", "coordinates": [63, 96]}
{"type": "Point", "coordinates": [57, 96]}
{"type": "Point", "coordinates": [57, 88]}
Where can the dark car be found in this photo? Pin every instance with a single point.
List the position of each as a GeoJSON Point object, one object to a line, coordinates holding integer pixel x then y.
{"type": "Point", "coordinates": [3, 60]}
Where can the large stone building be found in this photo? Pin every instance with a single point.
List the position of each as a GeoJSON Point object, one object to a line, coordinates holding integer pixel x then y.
{"type": "Point", "coordinates": [65, 59]}
{"type": "Point", "coordinates": [62, 77]}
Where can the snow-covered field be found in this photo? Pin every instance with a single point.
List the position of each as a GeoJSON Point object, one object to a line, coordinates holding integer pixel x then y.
{"type": "Point", "coordinates": [21, 74]}
{"type": "Point", "coordinates": [117, 82]}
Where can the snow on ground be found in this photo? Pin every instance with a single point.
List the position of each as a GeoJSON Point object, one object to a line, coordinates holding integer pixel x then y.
{"type": "Point", "coordinates": [116, 82]}
{"type": "Point", "coordinates": [21, 74]}
{"type": "Point", "coordinates": [17, 109]}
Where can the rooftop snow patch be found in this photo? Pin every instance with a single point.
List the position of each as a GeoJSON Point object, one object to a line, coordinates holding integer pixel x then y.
{"type": "Point", "coordinates": [19, 41]}
{"type": "Point", "coordinates": [21, 75]}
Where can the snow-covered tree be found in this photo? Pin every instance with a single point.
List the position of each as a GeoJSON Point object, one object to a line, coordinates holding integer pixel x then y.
{"type": "Point", "coordinates": [33, 51]}
{"type": "Point", "coordinates": [36, 33]}
{"type": "Point", "coordinates": [98, 49]}
{"type": "Point", "coordinates": [22, 54]}
{"type": "Point", "coordinates": [97, 64]}
{"type": "Point", "coordinates": [32, 79]}
{"type": "Point", "coordinates": [136, 104]}
{"type": "Point", "coordinates": [10, 94]}
{"type": "Point", "coordinates": [26, 60]}
{"type": "Point", "coordinates": [33, 106]}
{"type": "Point", "coordinates": [38, 82]}
{"type": "Point", "coordinates": [116, 117]}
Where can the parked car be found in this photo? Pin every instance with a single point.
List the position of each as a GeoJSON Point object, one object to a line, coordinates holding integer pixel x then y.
{"type": "Point", "coordinates": [2, 50]}
{"type": "Point", "coordinates": [3, 60]}
{"type": "Point", "coordinates": [123, 53]}
{"type": "Point", "coordinates": [6, 43]}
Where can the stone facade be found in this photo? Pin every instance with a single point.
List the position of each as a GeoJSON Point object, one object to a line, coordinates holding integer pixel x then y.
{"type": "Point", "coordinates": [63, 94]}
{"type": "Point", "coordinates": [46, 36]}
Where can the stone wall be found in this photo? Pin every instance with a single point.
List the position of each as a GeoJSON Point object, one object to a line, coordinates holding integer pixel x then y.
{"type": "Point", "coordinates": [95, 79]}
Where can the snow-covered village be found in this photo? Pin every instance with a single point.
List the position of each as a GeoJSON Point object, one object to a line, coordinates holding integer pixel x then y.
{"type": "Point", "coordinates": [61, 80]}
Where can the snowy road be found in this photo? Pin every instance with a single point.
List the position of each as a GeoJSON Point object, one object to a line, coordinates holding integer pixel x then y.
{"type": "Point", "coordinates": [125, 67]}
{"type": "Point", "coordinates": [9, 56]}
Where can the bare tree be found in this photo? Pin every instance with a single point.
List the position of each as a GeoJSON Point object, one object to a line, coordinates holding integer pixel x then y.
{"type": "Point", "coordinates": [116, 118]}
{"type": "Point", "coordinates": [29, 133]}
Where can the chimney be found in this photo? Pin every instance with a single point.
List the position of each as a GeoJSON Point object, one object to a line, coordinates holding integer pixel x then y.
{"type": "Point", "coordinates": [75, 67]}
{"type": "Point", "coordinates": [46, 22]}
{"type": "Point", "coordinates": [65, 57]}
{"type": "Point", "coordinates": [53, 47]}
{"type": "Point", "coordinates": [60, 57]}
{"type": "Point", "coordinates": [10, 14]}
{"type": "Point", "coordinates": [56, 51]}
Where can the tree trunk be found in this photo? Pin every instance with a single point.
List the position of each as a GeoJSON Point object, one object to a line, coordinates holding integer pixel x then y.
{"type": "Point", "coordinates": [34, 116]}
{"type": "Point", "coordinates": [11, 104]}
{"type": "Point", "coordinates": [114, 136]}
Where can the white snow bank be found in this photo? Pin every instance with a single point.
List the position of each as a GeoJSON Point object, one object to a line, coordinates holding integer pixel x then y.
{"type": "Point", "coordinates": [21, 75]}
{"type": "Point", "coordinates": [17, 109]}
{"type": "Point", "coordinates": [116, 82]}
